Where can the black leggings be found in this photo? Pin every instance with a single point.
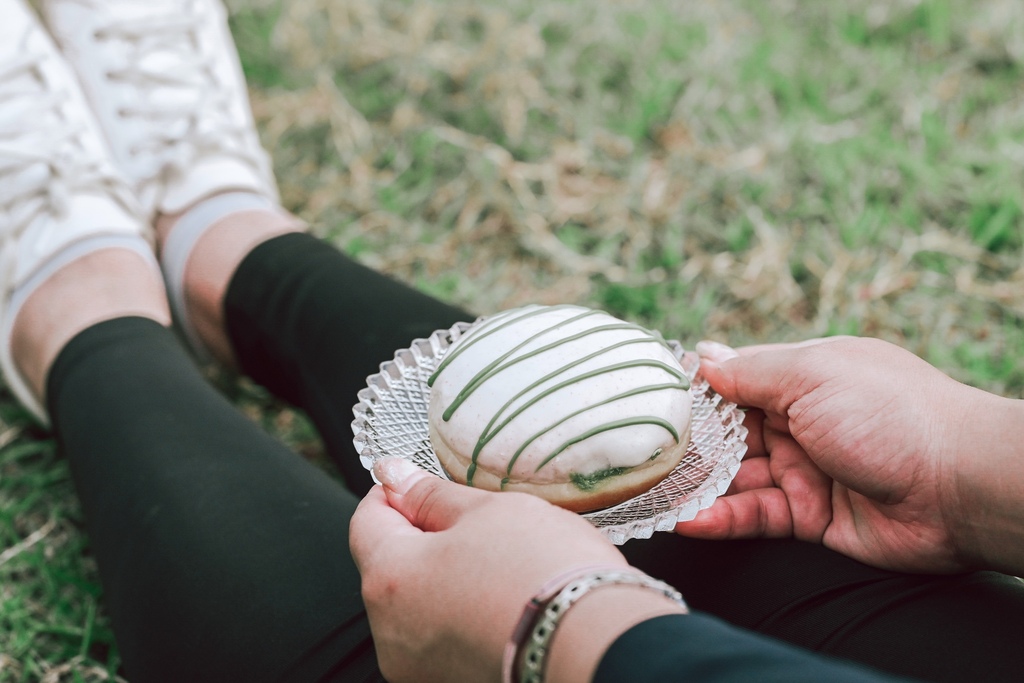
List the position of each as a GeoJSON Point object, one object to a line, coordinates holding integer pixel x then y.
{"type": "Point", "coordinates": [224, 556]}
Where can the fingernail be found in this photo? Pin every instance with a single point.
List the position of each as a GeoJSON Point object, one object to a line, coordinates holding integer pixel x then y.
{"type": "Point", "coordinates": [397, 474]}
{"type": "Point", "coordinates": [714, 351]}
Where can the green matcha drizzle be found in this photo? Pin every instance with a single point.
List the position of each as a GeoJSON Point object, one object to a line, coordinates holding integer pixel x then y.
{"type": "Point", "coordinates": [484, 332]}
{"type": "Point", "coordinates": [496, 366]}
{"type": "Point", "coordinates": [487, 434]}
{"type": "Point", "coordinates": [683, 386]}
{"type": "Point", "coordinates": [482, 441]}
{"type": "Point", "coordinates": [499, 322]}
{"type": "Point", "coordinates": [588, 482]}
{"type": "Point", "coordinates": [608, 426]}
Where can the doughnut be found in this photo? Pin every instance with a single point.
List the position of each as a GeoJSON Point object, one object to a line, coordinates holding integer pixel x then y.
{"type": "Point", "coordinates": [564, 402]}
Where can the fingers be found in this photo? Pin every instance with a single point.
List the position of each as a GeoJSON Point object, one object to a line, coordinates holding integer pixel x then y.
{"type": "Point", "coordinates": [752, 381]}
{"type": "Point", "coordinates": [374, 525]}
{"type": "Point", "coordinates": [754, 473]}
{"type": "Point", "coordinates": [770, 378]}
{"type": "Point", "coordinates": [807, 489]}
{"type": "Point", "coordinates": [409, 502]}
{"type": "Point", "coordinates": [426, 501]}
{"type": "Point", "coordinates": [765, 378]}
{"type": "Point", "coordinates": [758, 348]}
{"type": "Point", "coordinates": [763, 513]}
{"type": "Point", "coordinates": [770, 497]}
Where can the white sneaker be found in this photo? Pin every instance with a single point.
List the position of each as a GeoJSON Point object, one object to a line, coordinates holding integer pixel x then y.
{"type": "Point", "coordinates": [164, 80]}
{"type": "Point", "coordinates": [60, 194]}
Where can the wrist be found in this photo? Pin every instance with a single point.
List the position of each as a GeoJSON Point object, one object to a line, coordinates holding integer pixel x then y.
{"type": "Point", "coordinates": [597, 621]}
{"type": "Point", "coordinates": [626, 597]}
{"type": "Point", "coordinates": [988, 472]}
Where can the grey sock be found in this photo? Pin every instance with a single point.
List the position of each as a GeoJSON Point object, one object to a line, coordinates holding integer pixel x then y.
{"type": "Point", "coordinates": [178, 248]}
{"type": "Point", "coordinates": [71, 252]}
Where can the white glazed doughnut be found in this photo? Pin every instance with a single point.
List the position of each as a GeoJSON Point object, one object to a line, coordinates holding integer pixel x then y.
{"type": "Point", "coordinates": [564, 402]}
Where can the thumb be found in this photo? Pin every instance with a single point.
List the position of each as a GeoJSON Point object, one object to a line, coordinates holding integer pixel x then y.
{"type": "Point", "coordinates": [756, 378]}
{"type": "Point", "coordinates": [428, 502]}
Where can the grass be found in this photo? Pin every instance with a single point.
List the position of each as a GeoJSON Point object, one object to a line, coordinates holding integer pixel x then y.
{"type": "Point", "coordinates": [744, 170]}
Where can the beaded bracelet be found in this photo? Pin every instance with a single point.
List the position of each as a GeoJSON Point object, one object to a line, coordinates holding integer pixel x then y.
{"type": "Point", "coordinates": [542, 614]}
{"type": "Point", "coordinates": [531, 611]}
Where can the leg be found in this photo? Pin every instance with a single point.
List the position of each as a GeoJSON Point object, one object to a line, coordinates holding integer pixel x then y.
{"type": "Point", "coordinates": [300, 318]}
{"type": "Point", "coordinates": [937, 628]}
{"type": "Point", "coordinates": [311, 324]}
{"type": "Point", "coordinates": [223, 555]}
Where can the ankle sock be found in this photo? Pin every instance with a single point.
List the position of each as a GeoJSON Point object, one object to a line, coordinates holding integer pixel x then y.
{"type": "Point", "coordinates": [72, 252]}
{"type": "Point", "coordinates": [178, 247]}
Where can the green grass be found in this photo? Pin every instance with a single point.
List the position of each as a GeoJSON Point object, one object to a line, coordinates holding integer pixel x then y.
{"type": "Point", "coordinates": [50, 619]}
{"type": "Point", "coordinates": [745, 170]}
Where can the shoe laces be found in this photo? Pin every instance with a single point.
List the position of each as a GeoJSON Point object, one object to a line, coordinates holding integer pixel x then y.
{"type": "Point", "coordinates": [44, 159]}
{"type": "Point", "coordinates": [180, 131]}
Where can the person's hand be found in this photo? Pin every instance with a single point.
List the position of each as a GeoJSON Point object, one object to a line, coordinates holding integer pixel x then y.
{"type": "Point", "coordinates": [863, 447]}
{"type": "Point", "coordinates": [447, 570]}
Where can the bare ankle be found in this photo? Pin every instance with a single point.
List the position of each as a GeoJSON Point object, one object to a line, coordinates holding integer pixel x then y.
{"type": "Point", "coordinates": [102, 285]}
{"type": "Point", "coordinates": [212, 261]}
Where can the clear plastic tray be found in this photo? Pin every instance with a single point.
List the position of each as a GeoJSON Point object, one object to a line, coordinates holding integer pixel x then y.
{"type": "Point", "coordinates": [391, 420]}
